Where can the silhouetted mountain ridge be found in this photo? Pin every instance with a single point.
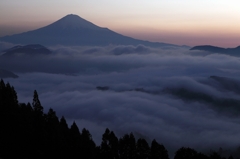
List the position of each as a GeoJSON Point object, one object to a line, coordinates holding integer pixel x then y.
{"type": "Point", "coordinates": [215, 49]}
{"type": "Point", "coordinates": [74, 30]}
{"type": "Point", "coordinates": [27, 50]}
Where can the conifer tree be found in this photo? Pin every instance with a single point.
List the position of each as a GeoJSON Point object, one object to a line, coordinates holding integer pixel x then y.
{"type": "Point", "coordinates": [142, 149]}
{"type": "Point", "coordinates": [8, 98]}
{"type": "Point", "coordinates": [114, 145]}
{"type": "Point", "coordinates": [64, 139]}
{"type": "Point", "coordinates": [74, 130]}
{"type": "Point", "coordinates": [75, 139]}
{"type": "Point", "coordinates": [88, 146]}
{"type": "Point", "coordinates": [186, 153]}
{"type": "Point", "coordinates": [36, 104]}
{"type": "Point", "coordinates": [158, 151]}
{"type": "Point", "coordinates": [127, 147]}
{"type": "Point", "coordinates": [64, 130]}
{"type": "Point", "coordinates": [63, 124]}
{"type": "Point", "coordinates": [51, 118]}
{"type": "Point", "coordinates": [2, 97]}
{"type": "Point", "coordinates": [105, 148]}
{"type": "Point", "coordinates": [39, 129]}
{"type": "Point", "coordinates": [109, 145]}
{"type": "Point", "coordinates": [14, 96]}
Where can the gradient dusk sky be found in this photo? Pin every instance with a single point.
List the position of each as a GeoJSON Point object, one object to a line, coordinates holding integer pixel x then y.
{"type": "Point", "coordinates": [182, 22]}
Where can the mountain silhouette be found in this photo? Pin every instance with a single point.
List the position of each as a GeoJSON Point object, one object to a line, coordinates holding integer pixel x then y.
{"type": "Point", "coordinates": [27, 50]}
{"type": "Point", "coordinates": [74, 30]}
{"type": "Point", "coordinates": [215, 49]}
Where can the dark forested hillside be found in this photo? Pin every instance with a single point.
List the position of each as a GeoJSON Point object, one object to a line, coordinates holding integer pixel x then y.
{"type": "Point", "coordinates": [29, 133]}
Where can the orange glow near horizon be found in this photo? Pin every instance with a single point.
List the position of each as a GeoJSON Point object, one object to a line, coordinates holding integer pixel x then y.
{"type": "Point", "coordinates": [223, 36]}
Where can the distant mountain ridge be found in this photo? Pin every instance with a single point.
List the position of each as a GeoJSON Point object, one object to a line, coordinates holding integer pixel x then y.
{"type": "Point", "coordinates": [215, 49]}
{"type": "Point", "coordinates": [74, 30]}
{"type": "Point", "coordinates": [27, 50]}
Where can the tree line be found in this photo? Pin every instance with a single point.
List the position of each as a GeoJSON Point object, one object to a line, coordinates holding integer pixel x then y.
{"type": "Point", "coordinates": [26, 132]}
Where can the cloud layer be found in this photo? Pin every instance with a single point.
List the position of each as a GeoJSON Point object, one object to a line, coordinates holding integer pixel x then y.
{"type": "Point", "coordinates": [138, 99]}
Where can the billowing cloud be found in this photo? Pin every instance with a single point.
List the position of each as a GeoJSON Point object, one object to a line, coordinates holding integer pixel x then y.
{"type": "Point", "coordinates": [141, 96]}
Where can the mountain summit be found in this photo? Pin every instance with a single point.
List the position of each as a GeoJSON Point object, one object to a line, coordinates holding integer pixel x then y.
{"type": "Point", "coordinates": [74, 30]}
{"type": "Point", "coordinates": [73, 21]}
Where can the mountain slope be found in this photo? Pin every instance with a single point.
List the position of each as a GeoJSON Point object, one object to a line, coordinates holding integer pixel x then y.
{"type": "Point", "coordinates": [73, 30]}
{"type": "Point", "coordinates": [214, 49]}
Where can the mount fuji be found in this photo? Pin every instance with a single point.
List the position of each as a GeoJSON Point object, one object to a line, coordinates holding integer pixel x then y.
{"type": "Point", "coordinates": [73, 30]}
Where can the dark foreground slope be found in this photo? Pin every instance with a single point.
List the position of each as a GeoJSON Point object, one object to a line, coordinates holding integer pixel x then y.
{"type": "Point", "coordinates": [73, 30]}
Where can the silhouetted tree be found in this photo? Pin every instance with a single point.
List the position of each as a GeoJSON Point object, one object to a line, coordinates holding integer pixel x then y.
{"type": "Point", "coordinates": [109, 145]}
{"type": "Point", "coordinates": [127, 147]}
{"type": "Point", "coordinates": [25, 132]}
{"type": "Point", "coordinates": [75, 138]}
{"type": "Point", "coordinates": [185, 153]}
{"type": "Point", "coordinates": [9, 122]}
{"type": "Point", "coordinates": [158, 151]}
{"type": "Point", "coordinates": [39, 129]}
{"type": "Point", "coordinates": [105, 148]}
{"type": "Point", "coordinates": [142, 149]}
{"type": "Point", "coordinates": [64, 139]}
{"type": "Point", "coordinates": [37, 107]}
{"type": "Point", "coordinates": [87, 145]}
{"type": "Point", "coordinates": [51, 128]}
{"type": "Point", "coordinates": [8, 99]}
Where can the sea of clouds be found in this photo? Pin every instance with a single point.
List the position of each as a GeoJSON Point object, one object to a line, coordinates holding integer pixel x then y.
{"type": "Point", "coordinates": [138, 99]}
